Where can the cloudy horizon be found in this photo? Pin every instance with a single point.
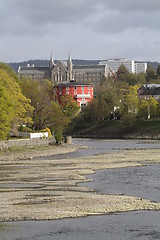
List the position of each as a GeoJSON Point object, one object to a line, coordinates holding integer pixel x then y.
{"type": "Point", "coordinates": [90, 29]}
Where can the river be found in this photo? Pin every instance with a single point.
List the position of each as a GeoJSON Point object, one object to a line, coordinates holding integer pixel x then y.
{"type": "Point", "coordinates": [135, 181]}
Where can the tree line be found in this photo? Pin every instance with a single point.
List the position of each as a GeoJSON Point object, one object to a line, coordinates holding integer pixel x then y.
{"type": "Point", "coordinates": [116, 99]}
{"type": "Point", "coordinates": [30, 105]}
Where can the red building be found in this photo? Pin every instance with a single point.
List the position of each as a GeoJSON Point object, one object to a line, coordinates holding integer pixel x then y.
{"type": "Point", "coordinates": [82, 93]}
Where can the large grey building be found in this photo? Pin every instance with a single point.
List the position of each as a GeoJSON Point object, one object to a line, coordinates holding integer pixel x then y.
{"type": "Point", "coordinates": [131, 65]}
{"type": "Point", "coordinates": [91, 73]}
{"type": "Point", "coordinates": [35, 73]}
{"type": "Point", "coordinates": [65, 71]}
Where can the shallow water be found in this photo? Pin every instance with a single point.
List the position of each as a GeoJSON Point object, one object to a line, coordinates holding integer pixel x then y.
{"type": "Point", "coordinates": [142, 182]}
{"type": "Point", "coordinates": [127, 226]}
{"type": "Point", "coordinates": [135, 181]}
{"type": "Point", "coordinates": [100, 146]}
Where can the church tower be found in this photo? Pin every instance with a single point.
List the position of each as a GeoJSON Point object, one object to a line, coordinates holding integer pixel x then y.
{"type": "Point", "coordinates": [51, 62]}
{"type": "Point", "coordinates": [69, 68]}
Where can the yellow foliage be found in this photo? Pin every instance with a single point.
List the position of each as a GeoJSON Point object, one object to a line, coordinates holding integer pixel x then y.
{"type": "Point", "coordinates": [47, 130]}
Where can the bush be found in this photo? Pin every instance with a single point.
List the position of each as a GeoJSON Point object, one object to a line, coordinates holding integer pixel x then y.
{"type": "Point", "coordinates": [25, 129]}
{"type": "Point", "coordinates": [47, 130]}
{"type": "Point", "coordinates": [58, 135]}
{"type": "Point", "coordinates": [128, 120]}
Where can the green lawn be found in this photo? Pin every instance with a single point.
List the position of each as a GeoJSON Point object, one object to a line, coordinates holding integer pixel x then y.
{"type": "Point", "coordinates": [115, 129]}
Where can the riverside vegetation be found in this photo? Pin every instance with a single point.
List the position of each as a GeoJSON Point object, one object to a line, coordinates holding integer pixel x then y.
{"type": "Point", "coordinates": [30, 105]}
{"type": "Point", "coordinates": [116, 111]}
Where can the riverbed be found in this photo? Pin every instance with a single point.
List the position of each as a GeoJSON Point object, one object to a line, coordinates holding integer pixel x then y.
{"type": "Point", "coordinates": [56, 187]}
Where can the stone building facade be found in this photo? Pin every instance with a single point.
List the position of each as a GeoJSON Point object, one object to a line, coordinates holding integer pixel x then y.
{"type": "Point", "coordinates": [65, 71]}
{"type": "Point", "coordinates": [90, 73]}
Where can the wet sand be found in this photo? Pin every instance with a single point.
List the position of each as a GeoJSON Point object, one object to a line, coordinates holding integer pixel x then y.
{"type": "Point", "coordinates": [38, 189]}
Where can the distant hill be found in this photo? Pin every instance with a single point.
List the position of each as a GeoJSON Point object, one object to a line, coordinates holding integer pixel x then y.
{"type": "Point", "coordinates": [15, 65]}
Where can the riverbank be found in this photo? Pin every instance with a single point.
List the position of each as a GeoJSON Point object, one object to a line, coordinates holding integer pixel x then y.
{"type": "Point", "coordinates": [16, 153]}
{"type": "Point", "coordinates": [138, 129]}
{"type": "Point", "coordinates": [38, 189]}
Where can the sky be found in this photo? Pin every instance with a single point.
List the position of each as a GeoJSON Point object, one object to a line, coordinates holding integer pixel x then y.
{"type": "Point", "coordinates": [89, 29]}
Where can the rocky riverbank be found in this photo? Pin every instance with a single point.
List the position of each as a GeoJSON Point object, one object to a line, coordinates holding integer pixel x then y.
{"type": "Point", "coordinates": [29, 153]}
{"type": "Point", "coordinates": [36, 189]}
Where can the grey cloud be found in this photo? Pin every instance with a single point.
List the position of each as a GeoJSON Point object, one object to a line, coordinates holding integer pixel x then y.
{"type": "Point", "coordinates": [132, 5]}
{"type": "Point", "coordinates": [33, 17]}
{"type": "Point", "coordinates": [92, 25]}
{"type": "Point", "coordinates": [51, 10]}
{"type": "Point", "coordinates": [113, 23]}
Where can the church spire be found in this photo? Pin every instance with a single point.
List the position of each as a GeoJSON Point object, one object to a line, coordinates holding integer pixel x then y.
{"type": "Point", "coordinates": [51, 63]}
{"type": "Point", "coordinates": [69, 57]}
{"type": "Point", "coordinates": [69, 67]}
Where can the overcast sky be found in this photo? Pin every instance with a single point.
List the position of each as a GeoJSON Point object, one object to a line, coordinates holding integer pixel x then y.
{"type": "Point", "coordinates": [90, 29]}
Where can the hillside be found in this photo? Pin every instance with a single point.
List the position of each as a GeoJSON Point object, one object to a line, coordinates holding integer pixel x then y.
{"type": "Point", "coordinates": [15, 65]}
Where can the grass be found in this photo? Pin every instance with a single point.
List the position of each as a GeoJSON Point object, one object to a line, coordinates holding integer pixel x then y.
{"type": "Point", "coordinates": [113, 129]}
{"type": "Point", "coordinates": [16, 149]}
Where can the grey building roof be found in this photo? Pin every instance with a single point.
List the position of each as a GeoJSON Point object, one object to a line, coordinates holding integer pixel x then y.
{"type": "Point", "coordinates": [88, 67]}
{"type": "Point", "coordinates": [151, 91]}
{"type": "Point", "coordinates": [28, 70]}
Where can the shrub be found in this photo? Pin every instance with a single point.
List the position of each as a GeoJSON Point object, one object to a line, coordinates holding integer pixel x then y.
{"type": "Point", "coordinates": [47, 130]}
{"type": "Point", "coordinates": [25, 129]}
{"type": "Point", "coordinates": [58, 135]}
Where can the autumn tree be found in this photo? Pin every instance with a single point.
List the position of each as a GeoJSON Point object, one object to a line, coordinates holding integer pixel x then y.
{"type": "Point", "coordinates": [14, 106]}
{"type": "Point", "coordinates": [41, 94]}
{"type": "Point", "coordinates": [69, 106]}
{"type": "Point", "coordinates": [147, 108]}
{"type": "Point", "coordinates": [131, 100]}
{"type": "Point", "coordinates": [57, 120]}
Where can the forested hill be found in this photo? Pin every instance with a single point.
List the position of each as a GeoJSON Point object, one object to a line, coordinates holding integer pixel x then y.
{"type": "Point", "coordinates": [15, 65]}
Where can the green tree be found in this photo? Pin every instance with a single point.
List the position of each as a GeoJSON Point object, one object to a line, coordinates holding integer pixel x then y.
{"type": "Point", "coordinates": [124, 75]}
{"type": "Point", "coordinates": [90, 112]}
{"type": "Point", "coordinates": [122, 70]}
{"type": "Point", "coordinates": [147, 108]}
{"type": "Point", "coordinates": [143, 112]}
{"type": "Point", "coordinates": [69, 106]}
{"type": "Point", "coordinates": [141, 79]}
{"type": "Point", "coordinates": [57, 121]}
{"type": "Point", "coordinates": [158, 70]}
{"type": "Point", "coordinates": [132, 79]}
{"type": "Point", "coordinates": [41, 94]}
{"type": "Point", "coordinates": [14, 106]}
{"type": "Point", "coordinates": [11, 73]}
{"type": "Point", "coordinates": [153, 105]}
{"type": "Point", "coordinates": [150, 73]}
{"type": "Point", "coordinates": [131, 100]}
